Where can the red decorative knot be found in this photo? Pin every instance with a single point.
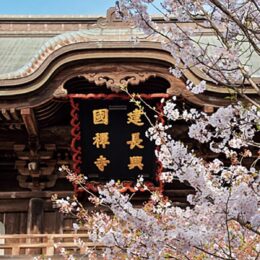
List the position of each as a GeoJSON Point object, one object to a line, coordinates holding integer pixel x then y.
{"type": "Point", "coordinates": [126, 186]}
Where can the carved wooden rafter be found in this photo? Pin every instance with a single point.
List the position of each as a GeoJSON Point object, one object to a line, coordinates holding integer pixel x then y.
{"type": "Point", "coordinates": [112, 80]}
{"type": "Point", "coordinates": [118, 80]}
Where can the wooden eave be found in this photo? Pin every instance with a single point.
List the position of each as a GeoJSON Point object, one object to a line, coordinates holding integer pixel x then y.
{"type": "Point", "coordinates": [23, 87]}
{"type": "Point", "coordinates": [89, 51]}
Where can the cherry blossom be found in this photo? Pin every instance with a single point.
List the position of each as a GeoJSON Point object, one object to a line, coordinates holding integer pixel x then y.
{"type": "Point", "coordinates": [222, 220]}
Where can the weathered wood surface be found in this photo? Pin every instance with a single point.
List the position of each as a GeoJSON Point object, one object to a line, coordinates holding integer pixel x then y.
{"type": "Point", "coordinates": [17, 222]}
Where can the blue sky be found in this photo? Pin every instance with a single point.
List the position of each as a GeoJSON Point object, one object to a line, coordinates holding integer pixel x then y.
{"type": "Point", "coordinates": [52, 7]}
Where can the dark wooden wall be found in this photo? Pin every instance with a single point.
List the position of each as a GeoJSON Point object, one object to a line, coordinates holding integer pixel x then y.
{"type": "Point", "coordinates": [31, 214]}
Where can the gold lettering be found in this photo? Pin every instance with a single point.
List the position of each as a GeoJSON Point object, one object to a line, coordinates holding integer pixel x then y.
{"type": "Point", "coordinates": [100, 116]}
{"type": "Point", "coordinates": [101, 162]}
{"type": "Point", "coordinates": [101, 139]}
{"type": "Point", "coordinates": [135, 161]}
{"type": "Point", "coordinates": [136, 141]}
{"type": "Point", "coordinates": [134, 117]}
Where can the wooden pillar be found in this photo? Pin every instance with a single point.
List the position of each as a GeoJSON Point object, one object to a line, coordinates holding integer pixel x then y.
{"type": "Point", "coordinates": [35, 221]}
{"type": "Point", "coordinates": [59, 222]}
{"type": "Point", "coordinates": [35, 216]}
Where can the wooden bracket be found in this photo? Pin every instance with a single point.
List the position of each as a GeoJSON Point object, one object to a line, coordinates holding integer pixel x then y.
{"type": "Point", "coordinates": [32, 166]}
{"type": "Point", "coordinates": [11, 118]}
{"type": "Point", "coordinates": [29, 121]}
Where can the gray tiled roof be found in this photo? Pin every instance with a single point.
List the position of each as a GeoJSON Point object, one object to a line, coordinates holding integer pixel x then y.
{"type": "Point", "coordinates": [16, 52]}
{"type": "Point", "coordinates": [248, 57]}
{"type": "Point", "coordinates": [21, 56]}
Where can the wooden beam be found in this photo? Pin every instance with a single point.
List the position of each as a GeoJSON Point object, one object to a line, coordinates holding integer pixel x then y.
{"type": "Point", "coordinates": [7, 145]}
{"type": "Point", "coordinates": [33, 194]}
{"type": "Point", "coordinates": [21, 205]}
{"type": "Point", "coordinates": [30, 121]}
{"type": "Point", "coordinates": [13, 206]}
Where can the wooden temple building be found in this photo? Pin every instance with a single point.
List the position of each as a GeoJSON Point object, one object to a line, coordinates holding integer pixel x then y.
{"type": "Point", "coordinates": [52, 69]}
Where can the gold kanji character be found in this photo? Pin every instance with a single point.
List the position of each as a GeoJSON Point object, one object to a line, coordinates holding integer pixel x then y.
{"type": "Point", "coordinates": [135, 161]}
{"type": "Point", "coordinates": [101, 139]}
{"type": "Point", "coordinates": [100, 116]}
{"type": "Point", "coordinates": [135, 117]}
{"type": "Point", "coordinates": [101, 162]}
{"type": "Point", "coordinates": [136, 141]}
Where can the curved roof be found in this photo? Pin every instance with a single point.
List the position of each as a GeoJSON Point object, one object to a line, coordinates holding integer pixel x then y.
{"type": "Point", "coordinates": [23, 53]}
{"type": "Point", "coordinates": [21, 57]}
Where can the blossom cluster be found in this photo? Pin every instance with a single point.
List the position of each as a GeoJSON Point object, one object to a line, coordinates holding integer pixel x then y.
{"type": "Point", "coordinates": [224, 57]}
{"type": "Point", "coordinates": [222, 220]}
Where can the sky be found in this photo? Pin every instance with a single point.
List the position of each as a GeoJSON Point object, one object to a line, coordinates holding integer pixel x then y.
{"type": "Point", "coordinates": [55, 7]}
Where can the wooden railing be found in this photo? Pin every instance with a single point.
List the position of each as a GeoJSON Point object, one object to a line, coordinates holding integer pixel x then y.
{"type": "Point", "coordinates": [24, 244]}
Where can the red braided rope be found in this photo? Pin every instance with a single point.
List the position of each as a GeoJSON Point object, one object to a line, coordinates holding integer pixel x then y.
{"type": "Point", "coordinates": [75, 133]}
